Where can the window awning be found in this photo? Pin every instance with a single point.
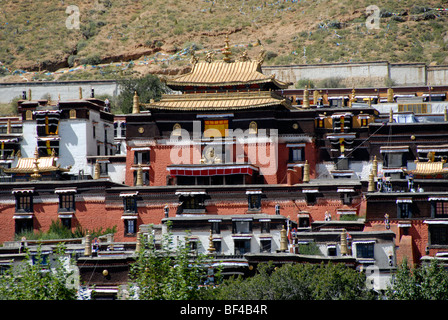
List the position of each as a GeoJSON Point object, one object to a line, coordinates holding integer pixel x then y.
{"type": "Point", "coordinates": [65, 190]}
{"type": "Point", "coordinates": [129, 194]}
{"type": "Point", "coordinates": [254, 192]}
{"type": "Point", "coordinates": [295, 145]}
{"type": "Point", "coordinates": [403, 201]}
{"type": "Point", "coordinates": [395, 149]}
{"type": "Point", "coordinates": [29, 190]}
{"type": "Point", "coordinates": [206, 171]}
{"type": "Point", "coordinates": [141, 149]}
{"type": "Point", "coordinates": [433, 148]}
{"type": "Point", "coordinates": [436, 221]}
{"type": "Point", "coordinates": [129, 217]}
{"type": "Point", "coordinates": [190, 192]}
{"type": "Point", "coordinates": [346, 190]}
{"type": "Point", "coordinates": [310, 190]}
{"type": "Point", "coordinates": [65, 216]}
{"type": "Point", "coordinates": [438, 199]}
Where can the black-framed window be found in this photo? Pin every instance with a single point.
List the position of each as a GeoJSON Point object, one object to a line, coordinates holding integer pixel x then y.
{"type": "Point", "coordinates": [67, 222]}
{"type": "Point", "coordinates": [439, 209]}
{"type": "Point", "coordinates": [346, 198]}
{"type": "Point", "coordinates": [130, 204]}
{"type": "Point", "coordinates": [254, 201]}
{"type": "Point", "coordinates": [241, 226]}
{"type": "Point", "coordinates": [365, 250]}
{"type": "Point", "coordinates": [404, 210]}
{"type": "Point", "coordinates": [24, 202]}
{"type": "Point", "coordinates": [130, 227]}
{"type": "Point", "coordinates": [23, 225]}
{"type": "Point", "coordinates": [265, 245]}
{"type": "Point", "coordinates": [242, 246]}
{"type": "Point", "coordinates": [218, 246]}
{"type": "Point", "coordinates": [296, 154]}
{"type": "Point", "coordinates": [438, 234]}
{"type": "Point", "coordinates": [311, 198]}
{"type": "Point", "coordinates": [216, 227]}
{"type": "Point", "coordinates": [141, 157]}
{"type": "Point", "coordinates": [265, 226]}
{"type": "Point", "coordinates": [66, 202]}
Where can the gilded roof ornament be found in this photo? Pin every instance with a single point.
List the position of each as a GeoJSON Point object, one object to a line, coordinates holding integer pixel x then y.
{"type": "Point", "coordinates": [244, 57]}
{"type": "Point", "coordinates": [194, 59]}
{"type": "Point", "coordinates": [209, 56]}
{"type": "Point", "coordinates": [227, 51]}
{"type": "Point", "coordinates": [261, 55]}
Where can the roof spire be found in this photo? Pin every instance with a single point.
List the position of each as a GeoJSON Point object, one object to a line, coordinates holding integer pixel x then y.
{"type": "Point", "coordinates": [227, 51]}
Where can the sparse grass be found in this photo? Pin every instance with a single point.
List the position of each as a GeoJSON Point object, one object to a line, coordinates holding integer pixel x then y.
{"type": "Point", "coordinates": [33, 34]}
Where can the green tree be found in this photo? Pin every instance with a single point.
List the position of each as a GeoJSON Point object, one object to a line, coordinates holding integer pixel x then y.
{"type": "Point", "coordinates": [37, 278]}
{"type": "Point", "coordinates": [170, 272]}
{"type": "Point", "coordinates": [147, 87]}
{"type": "Point", "coordinates": [426, 282]}
{"type": "Point", "coordinates": [297, 282]}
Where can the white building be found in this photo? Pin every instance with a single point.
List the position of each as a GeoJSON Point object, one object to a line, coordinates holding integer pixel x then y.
{"type": "Point", "coordinates": [79, 132]}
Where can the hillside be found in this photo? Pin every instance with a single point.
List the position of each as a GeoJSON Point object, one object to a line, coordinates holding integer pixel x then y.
{"type": "Point", "coordinates": [158, 35]}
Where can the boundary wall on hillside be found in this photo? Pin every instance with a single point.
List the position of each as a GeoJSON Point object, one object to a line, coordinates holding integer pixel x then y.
{"type": "Point", "coordinates": [364, 73]}
{"type": "Point", "coordinates": [359, 74]}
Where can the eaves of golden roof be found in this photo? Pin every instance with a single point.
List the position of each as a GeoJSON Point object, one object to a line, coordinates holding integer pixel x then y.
{"type": "Point", "coordinates": [220, 73]}
{"type": "Point", "coordinates": [219, 101]}
{"type": "Point", "coordinates": [429, 168]}
{"type": "Point", "coordinates": [27, 165]}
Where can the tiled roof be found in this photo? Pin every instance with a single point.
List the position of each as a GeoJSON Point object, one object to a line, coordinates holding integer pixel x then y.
{"type": "Point", "coordinates": [26, 165]}
{"type": "Point", "coordinates": [429, 168]}
{"type": "Point", "coordinates": [220, 73]}
{"type": "Point", "coordinates": [219, 101]}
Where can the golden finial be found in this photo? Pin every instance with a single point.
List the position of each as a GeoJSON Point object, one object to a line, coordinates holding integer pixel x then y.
{"type": "Point", "coordinates": [36, 175]}
{"type": "Point", "coordinates": [244, 56]}
{"type": "Point", "coordinates": [261, 55]}
{"type": "Point", "coordinates": [211, 247]}
{"type": "Point", "coordinates": [209, 56]}
{"type": "Point", "coordinates": [227, 51]}
{"type": "Point", "coordinates": [194, 59]}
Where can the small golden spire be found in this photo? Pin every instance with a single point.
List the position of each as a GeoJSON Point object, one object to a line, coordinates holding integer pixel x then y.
{"type": "Point", "coordinates": [136, 103]}
{"type": "Point", "coordinates": [96, 173]}
{"type": "Point", "coordinates": [306, 172]}
{"type": "Point", "coordinates": [390, 95]}
{"type": "Point", "coordinates": [306, 98]}
{"type": "Point", "coordinates": [211, 247]}
{"type": "Point", "coordinates": [36, 175]}
{"type": "Point", "coordinates": [283, 239]}
{"type": "Point", "coordinates": [227, 51]}
{"type": "Point", "coordinates": [371, 185]}
{"type": "Point", "coordinates": [139, 181]}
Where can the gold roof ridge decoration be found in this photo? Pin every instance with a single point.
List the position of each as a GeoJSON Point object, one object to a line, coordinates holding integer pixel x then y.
{"type": "Point", "coordinates": [429, 168]}
{"type": "Point", "coordinates": [225, 72]}
{"type": "Point", "coordinates": [219, 101]}
{"type": "Point", "coordinates": [42, 164]}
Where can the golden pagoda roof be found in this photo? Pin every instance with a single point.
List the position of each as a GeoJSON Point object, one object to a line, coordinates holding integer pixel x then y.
{"type": "Point", "coordinates": [222, 73]}
{"type": "Point", "coordinates": [27, 165]}
{"type": "Point", "coordinates": [429, 168]}
{"type": "Point", "coordinates": [219, 101]}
